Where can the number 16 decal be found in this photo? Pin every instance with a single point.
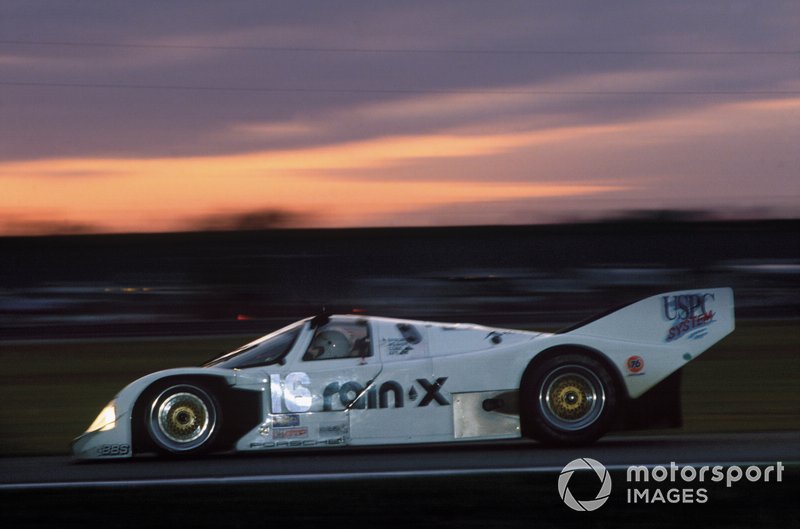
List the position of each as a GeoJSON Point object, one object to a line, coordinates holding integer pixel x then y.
{"type": "Point", "coordinates": [290, 395]}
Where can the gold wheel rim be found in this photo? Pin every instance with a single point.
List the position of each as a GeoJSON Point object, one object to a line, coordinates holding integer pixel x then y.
{"type": "Point", "coordinates": [183, 417]}
{"type": "Point", "coordinates": [570, 397]}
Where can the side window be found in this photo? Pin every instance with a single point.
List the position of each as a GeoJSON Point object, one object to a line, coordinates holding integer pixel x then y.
{"type": "Point", "coordinates": [267, 350]}
{"type": "Point", "coordinates": [340, 339]}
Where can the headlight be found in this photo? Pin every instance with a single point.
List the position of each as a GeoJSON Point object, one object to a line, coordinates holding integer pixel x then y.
{"type": "Point", "coordinates": [107, 419]}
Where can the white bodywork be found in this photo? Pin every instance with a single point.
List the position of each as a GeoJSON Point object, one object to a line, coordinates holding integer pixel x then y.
{"type": "Point", "coordinates": [432, 387]}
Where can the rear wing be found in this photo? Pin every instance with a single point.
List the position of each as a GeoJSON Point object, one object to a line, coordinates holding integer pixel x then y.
{"type": "Point", "coordinates": [653, 338]}
{"type": "Point", "coordinates": [691, 320]}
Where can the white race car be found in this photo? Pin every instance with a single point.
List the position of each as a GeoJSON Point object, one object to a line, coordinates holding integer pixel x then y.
{"type": "Point", "coordinates": [355, 380]}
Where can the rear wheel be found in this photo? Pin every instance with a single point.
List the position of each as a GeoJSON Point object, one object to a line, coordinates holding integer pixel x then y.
{"type": "Point", "coordinates": [568, 399]}
{"type": "Point", "coordinates": [183, 419]}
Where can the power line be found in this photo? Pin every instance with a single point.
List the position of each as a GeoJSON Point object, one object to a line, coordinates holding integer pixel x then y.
{"type": "Point", "coordinates": [306, 90]}
{"type": "Point", "coordinates": [363, 50]}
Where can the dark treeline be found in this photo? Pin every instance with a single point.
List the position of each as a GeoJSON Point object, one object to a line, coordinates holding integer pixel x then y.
{"type": "Point", "coordinates": [535, 272]}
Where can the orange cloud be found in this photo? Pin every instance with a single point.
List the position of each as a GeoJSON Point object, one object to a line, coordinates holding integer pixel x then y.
{"type": "Point", "coordinates": [155, 194]}
{"type": "Point", "coordinates": [163, 193]}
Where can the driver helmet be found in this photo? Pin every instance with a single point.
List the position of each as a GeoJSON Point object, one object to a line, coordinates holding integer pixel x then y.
{"type": "Point", "coordinates": [331, 344]}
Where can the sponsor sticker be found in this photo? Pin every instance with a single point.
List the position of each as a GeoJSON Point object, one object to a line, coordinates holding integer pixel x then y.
{"type": "Point", "coordinates": [290, 433]}
{"type": "Point", "coordinates": [333, 429]}
{"type": "Point", "coordinates": [634, 365]}
{"type": "Point", "coordinates": [353, 395]}
{"type": "Point", "coordinates": [286, 421]}
{"type": "Point", "coordinates": [113, 450]}
{"type": "Point", "coordinates": [396, 346]}
{"type": "Point", "coordinates": [688, 314]}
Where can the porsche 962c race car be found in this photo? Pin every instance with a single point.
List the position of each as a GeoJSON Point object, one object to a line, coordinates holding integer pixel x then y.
{"type": "Point", "coordinates": [355, 380]}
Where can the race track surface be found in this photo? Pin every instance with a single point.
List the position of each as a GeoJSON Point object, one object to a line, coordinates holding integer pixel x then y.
{"type": "Point", "coordinates": [20, 473]}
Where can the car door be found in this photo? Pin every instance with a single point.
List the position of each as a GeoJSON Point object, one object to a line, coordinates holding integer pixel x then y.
{"type": "Point", "coordinates": [404, 403]}
{"type": "Point", "coordinates": [324, 381]}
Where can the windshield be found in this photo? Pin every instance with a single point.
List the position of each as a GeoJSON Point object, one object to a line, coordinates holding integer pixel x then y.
{"type": "Point", "coordinates": [264, 351]}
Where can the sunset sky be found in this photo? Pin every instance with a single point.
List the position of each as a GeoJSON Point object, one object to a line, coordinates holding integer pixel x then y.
{"type": "Point", "coordinates": [120, 116]}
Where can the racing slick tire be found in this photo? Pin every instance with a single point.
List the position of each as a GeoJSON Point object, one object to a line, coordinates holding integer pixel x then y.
{"type": "Point", "coordinates": [183, 419]}
{"type": "Point", "coordinates": [569, 399]}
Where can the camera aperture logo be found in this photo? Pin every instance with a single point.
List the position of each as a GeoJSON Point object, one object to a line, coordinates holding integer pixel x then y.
{"type": "Point", "coordinates": [584, 463]}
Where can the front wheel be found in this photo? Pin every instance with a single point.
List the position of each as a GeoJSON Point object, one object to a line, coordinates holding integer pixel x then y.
{"type": "Point", "coordinates": [183, 419]}
{"type": "Point", "coordinates": [568, 399]}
